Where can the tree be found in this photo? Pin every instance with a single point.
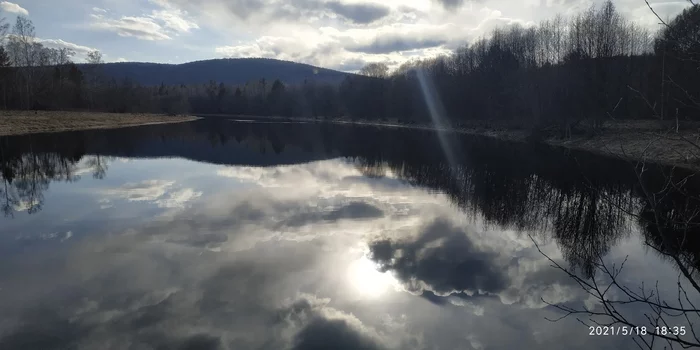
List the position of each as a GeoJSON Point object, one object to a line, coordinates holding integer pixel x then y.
{"type": "Point", "coordinates": [376, 70]}
{"type": "Point", "coordinates": [94, 60]}
{"type": "Point", "coordinates": [94, 57]}
{"type": "Point", "coordinates": [5, 63]}
{"type": "Point", "coordinates": [678, 51]}
{"type": "Point", "coordinates": [275, 98]}
{"type": "Point", "coordinates": [23, 51]}
{"type": "Point", "coordinates": [669, 217]}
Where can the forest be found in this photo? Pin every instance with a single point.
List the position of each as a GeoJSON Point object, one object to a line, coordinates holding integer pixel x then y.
{"type": "Point", "coordinates": [555, 75]}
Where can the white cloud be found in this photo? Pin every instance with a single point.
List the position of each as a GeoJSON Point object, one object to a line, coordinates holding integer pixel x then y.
{"type": "Point", "coordinates": [149, 190]}
{"type": "Point", "coordinates": [178, 198]}
{"type": "Point", "coordinates": [404, 34]}
{"type": "Point", "coordinates": [160, 24]}
{"type": "Point", "coordinates": [412, 29]}
{"type": "Point", "coordinates": [13, 8]}
{"type": "Point", "coordinates": [165, 194]}
{"type": "Point", "coordinates": [175, 20]}
{"type": "Point", "coordinates": [59, 43]}
{"type": "Point", "coordinates": [144, 28]}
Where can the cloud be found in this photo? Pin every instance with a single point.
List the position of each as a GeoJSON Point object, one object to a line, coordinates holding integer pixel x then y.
{"type": "Point", "coordinates": [391, 44]}
{"type": "Point", "coordinates": [162, 193]}
{"type": "Point", "coordinates": [148, 190]}
{"type": "Point", "coordinates": [351, 211]}
{"type": "Point", "coordinates": [321, 332]}
{"type": "Point", "coordinates": [59, 43]}
{"type": "Point", "coordinates": [451, 4]}
{"type": "Point", "coordinates": [320, 326]}
{"type": "Point", "coordinates": [178, 198]}
{"type": "Point", "coordinates": [175, 20]}
{"type": "Point", "coordinates": [160, 24]}
{"type": "Point", "coordinates": [144, 28]}
{"type": "Point", "coordinates": [441, 259]}
{"type": "Point", "coordinates": [358, 13]}
{"type": "Point", "coordinates": [351, 65]}
{"type": "Point", "coordinates": [13, 8]}
{"type": "Point", "coordinates": [245, 8]}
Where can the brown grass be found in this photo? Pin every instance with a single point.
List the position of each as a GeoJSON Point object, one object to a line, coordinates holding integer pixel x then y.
{"type": "Point", "coordinates": [650, 140]}
{"type": "Point", "coordinates": [31, 122]}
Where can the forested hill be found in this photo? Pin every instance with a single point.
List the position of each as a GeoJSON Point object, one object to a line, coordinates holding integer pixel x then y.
{"type": "Point", "coordinates": [235, 71]}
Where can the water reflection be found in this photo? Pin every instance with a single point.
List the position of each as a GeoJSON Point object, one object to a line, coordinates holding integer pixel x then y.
{"type": "Point", "coordinates": [585, 201]}
{"type": "Point", "coordinates": [305, 194]}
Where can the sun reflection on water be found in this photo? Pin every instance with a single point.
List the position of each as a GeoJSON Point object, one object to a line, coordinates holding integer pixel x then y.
{"type": "Point", "coordinates": [364, 276]}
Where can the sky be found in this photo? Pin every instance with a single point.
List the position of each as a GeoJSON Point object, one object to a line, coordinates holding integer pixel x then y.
{"type": "Point", "coordinates": [336, 34]}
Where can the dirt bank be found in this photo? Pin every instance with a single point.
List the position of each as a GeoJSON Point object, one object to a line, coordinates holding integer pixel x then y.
{"type": "Point", "coordinates": [30, 122]}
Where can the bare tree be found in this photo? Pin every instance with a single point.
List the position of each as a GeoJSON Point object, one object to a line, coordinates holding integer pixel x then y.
{"type": "Point", "coordinates": [94, 57]}
{"type": "Point", "coordinates": [376, 70]}
{"type": "Point", "coordinates": [94, 60]}
{"type": "Point", "coordinates": [22, 48]}
{"type": "Point", "coordinates": [669, 219]}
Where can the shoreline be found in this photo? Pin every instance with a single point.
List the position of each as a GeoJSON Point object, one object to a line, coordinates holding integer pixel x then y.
{"type": "Point", "coordinates": [651, 140]}
{"type": "Point", "coordinates": [631, 140]}
{"type": "Point", "coordinates": [36, 122]}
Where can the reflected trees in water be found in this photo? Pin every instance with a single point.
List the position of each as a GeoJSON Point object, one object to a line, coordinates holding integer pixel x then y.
{"type": "Point", "coordinates": [585, 203]}
{"type": "Point", "coordinates": [26, 174]}
{"type": "Point", "coordinates": [667, 215]}
{"type": "Point", "coordinates": [27, 177]}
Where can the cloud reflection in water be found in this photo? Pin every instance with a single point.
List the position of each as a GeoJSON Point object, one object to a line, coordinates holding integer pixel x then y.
{"type": "Point", "coordinates": [285, 257]}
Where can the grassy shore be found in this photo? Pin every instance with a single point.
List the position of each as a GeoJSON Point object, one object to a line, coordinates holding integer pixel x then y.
{"type": "Point", "coordinates": [649, 140]}
{"type": "Point", "coordinates": [31, 122]}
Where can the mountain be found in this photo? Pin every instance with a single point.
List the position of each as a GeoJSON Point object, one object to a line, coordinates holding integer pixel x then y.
{"type": "Point", "coordinates": [235, 71]}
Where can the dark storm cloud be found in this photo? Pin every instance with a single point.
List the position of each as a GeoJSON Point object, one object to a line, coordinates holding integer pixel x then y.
{"type": "Point", "coordinates": [358, 13]}
{"type": "Point", "coordinates": [322, 333]}
{"type": "Point", "coordinates": [389, 44]}
{"type": "Point", "coordinates": [54, 331]}
{"type": "Point", "coordinates": [442, 259]}
{"type": "Point", "coordinates": [44, 329]}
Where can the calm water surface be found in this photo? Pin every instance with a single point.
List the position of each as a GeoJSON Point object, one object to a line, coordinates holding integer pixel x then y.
{"type": "Point", "coordinates": [243, 235]}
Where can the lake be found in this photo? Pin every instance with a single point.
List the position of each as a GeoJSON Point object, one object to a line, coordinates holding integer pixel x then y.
{"type": "Point", "coordinates": [241, 234]}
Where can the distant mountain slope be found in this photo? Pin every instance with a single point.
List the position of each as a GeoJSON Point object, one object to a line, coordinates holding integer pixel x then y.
{"type": "Point", "coordinates": [228, 71]}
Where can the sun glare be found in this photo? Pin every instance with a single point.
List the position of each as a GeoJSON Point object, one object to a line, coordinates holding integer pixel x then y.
{"type": "Point", "coordinates": [367, 280]}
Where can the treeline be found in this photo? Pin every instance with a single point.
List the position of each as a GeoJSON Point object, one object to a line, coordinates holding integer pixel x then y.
{"type": "Point", "coordinates": [589, 67]}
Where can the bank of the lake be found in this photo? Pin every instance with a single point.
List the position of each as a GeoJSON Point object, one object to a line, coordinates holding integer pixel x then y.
{"type": "Point", "coordinates": [32, 122]}
{"type": "Point", "coordinates": [649, 140]}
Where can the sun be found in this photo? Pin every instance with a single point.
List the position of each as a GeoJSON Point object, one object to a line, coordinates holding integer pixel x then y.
{"type": "Point", "coordinates": [367, 280]}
